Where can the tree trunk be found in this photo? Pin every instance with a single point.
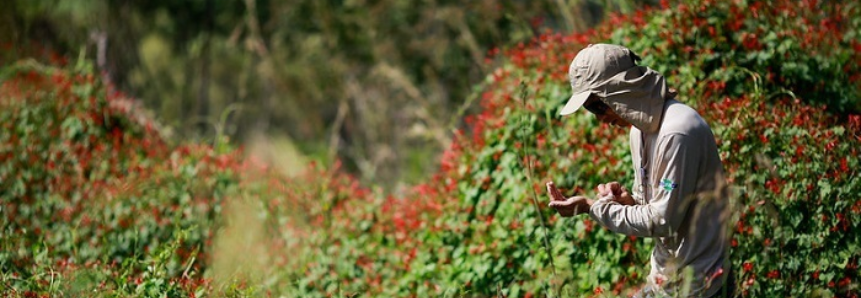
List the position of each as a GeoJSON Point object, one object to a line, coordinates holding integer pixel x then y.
{"type": "Point", "coordinates": [202, 105]}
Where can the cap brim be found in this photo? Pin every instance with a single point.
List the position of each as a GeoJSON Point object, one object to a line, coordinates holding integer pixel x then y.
{"type": "Point", "coordinates": [575, 102]}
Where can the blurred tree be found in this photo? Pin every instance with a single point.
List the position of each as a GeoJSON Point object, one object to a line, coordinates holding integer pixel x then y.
{"type": "Point", "coordinates": [374, 83]}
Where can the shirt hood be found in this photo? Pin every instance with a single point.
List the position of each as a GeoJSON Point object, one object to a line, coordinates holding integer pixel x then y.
{"type": "Point", "coordinates": [637, 95]}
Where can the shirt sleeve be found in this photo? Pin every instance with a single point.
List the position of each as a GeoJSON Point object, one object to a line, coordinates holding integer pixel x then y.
{"type": "Point", "coordinates": [674, 178]}
{"type": "Point", "coordinates": [635, 143]}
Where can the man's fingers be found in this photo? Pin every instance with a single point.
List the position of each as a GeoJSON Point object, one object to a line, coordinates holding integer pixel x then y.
{"type": "Point", "coordinates": [559, 203]}
{"type": "Point", "coordinates": [564, 203]}
{"type": "Point", "coordinates": [615, 188]}
{"type": "Point", "coordinates": [614, 185]}
{"type": "Point", "coordinates": [558, 193]}
{"type": "Point", "coordinates": [601, 189]}
{"type": "Point", "coordinates": [626, 199]}
{"type": "Point", "coordinates": [554, 193]}
{"type": "Point", "coordinates": [551, 192]}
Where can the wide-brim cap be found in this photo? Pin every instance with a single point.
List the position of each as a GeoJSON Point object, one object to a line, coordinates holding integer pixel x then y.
{"type": "Point", "coordinates": [575, 102]}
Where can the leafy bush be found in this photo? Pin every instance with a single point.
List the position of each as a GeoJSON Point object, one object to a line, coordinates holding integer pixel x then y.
{"type": "Point", "coordinates": [782, 100]}
{"type": "Point", "coordinates": [93, 197]}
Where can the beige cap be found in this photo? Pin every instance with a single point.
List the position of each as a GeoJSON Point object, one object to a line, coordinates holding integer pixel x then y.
{"type": "Point", "coordinates": [592, 69]}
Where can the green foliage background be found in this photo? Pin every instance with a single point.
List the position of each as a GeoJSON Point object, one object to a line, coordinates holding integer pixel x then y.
{"type": "Point", "coordinates": [375, 84]}
{"type": "Point", "coordinates": [95, 197]}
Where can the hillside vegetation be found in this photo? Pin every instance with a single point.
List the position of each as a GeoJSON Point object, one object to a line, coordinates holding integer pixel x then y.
{"type": "Point", "coordinates": [307, 73]}
{"type": "Point", "coordinates": [94, 198]}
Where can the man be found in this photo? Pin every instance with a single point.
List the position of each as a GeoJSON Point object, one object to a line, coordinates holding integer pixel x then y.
{"type": "Point", "coordinates": [677, 197]}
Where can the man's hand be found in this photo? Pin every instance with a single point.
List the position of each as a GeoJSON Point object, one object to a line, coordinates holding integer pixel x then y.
{"type": "Point", "coordinates": [575, 205]}
{"type": "Point", "coordinates": [620, 193]}
{"type": "Point", "coordinates": [567, 206]}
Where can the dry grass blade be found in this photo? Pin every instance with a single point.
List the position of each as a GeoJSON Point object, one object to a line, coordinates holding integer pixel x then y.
{"type": "Point", "coordinates": [524, 152]}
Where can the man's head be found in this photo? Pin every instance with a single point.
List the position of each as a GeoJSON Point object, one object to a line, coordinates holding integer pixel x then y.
{"type": "Point", "coordinates": [593, 70]}
{"type": "Point", "coordinates": [631, 94]}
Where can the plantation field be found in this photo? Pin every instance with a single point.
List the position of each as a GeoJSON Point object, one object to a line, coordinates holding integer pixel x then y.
{"type": "Point", "coordinates": [97, 201]}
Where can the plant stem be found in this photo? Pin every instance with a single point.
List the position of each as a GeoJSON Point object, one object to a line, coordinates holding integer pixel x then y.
{"type": "Point", "coordinates": [525, 155]}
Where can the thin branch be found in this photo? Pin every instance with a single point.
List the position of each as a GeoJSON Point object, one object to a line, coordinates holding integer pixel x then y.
{"type": "Point", "coordinates": [525, 152]}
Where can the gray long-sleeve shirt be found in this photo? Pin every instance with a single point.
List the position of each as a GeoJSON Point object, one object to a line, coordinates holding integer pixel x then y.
{"type": "Point", "coordinates": [679, 201]}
